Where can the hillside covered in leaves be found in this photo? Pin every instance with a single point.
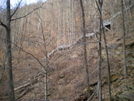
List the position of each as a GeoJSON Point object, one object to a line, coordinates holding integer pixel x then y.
{"type": "Point", "coordinates": [69, 50]}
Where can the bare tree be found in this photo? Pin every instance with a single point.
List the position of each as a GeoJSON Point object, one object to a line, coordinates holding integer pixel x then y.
{"type": "Point", "coordinates": [85, 46]}
{"type": "Point", "coordinates": [124, 40]}
{"type": "Point", "coordinates": [45, 66]}
{"type": "Point", "coordinates": [106, 49]}
{"type": "Point", "coordinates": [59, 24]}
{"type": "Point", "coordinates": [69, 22]}
{"type": "Point", "coordinates": [99, 4]}
{"type": "Point", "coordinates": [9, 55]}
{"type": "Point", "coordinates": [108, 63]}
{"type": "Point", "coordinates": [7, 26]}
{"type": "Point", "coordinates": [108, 66]}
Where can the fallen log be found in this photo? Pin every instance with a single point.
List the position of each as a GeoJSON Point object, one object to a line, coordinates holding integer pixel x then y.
{"type": "Point", "coordinates": [25, 85]}
{"type": "Point", "coordinates": [64, 47]}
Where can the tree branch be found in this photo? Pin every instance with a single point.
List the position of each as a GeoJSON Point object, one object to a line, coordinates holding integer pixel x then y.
{"type": "Point", "coordinates": [2, 24]}
{"type": "Point", "coordinates": [27, 13]}
{"type": "Point", "coordinates": [98, 6]}
{"type": "Point", "coordinates": [16, 9]}
{"type": "Point", "coordinates": [31, 55]}
{"type": "Point", "coordinates": [120, 12]}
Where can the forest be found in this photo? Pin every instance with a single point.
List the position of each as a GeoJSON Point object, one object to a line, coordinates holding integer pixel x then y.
{"type": "Point", "coordinates": [67, 50]}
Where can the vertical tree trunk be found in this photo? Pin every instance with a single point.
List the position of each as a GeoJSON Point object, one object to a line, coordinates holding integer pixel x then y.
{"type": "Point", "coordinates": [124, 41]}
{"type": "Point", "coordinates": [85, 51]}
{"type": "Point", "coordinates": [69, 21]}
{"type": "Point", "coordinates": [88, 4]}
{"type": "Point", "coordinates": [99, 4]}
{"type": "Point", "coordinates": [64, 24]}
{"type": "Point", "coordinates": [9, 55]}
{"type": "Point", "coordinates": [72, 21]}
{"type": "Point", "coordinates": [45, 66]}
{"type": "Point", "coordinates": [95, 17]}
{"type": "Point", "coordinates": [129, 12]}
{"type": "Point", "coordinates": [108, 64]}
{"type": "Point", "coordinates": [112, 13]}
{"type": "Point", "coordinates": [59, 24]}
{"type": "Point", "coordinates": [46, 60]}
{"type": "Point", "coordinates": [75, 34]}
{"type": "Point", "coordinates": [107, 57]}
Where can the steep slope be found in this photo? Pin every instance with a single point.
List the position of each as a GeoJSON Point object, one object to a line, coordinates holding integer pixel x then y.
{"type": "Point", "coordinates": [66, 72]}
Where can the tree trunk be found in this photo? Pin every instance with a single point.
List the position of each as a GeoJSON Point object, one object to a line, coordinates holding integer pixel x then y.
{"type": "Point", "coordinates": [59, 24]}
{"type": "Point", "coordinates": [46, 60]}
{"type": "Point", "coordinates": [124, 41]}
{"type": "Point", "coordinates": [99, 4]}
{"type": "Point", "coordinates": [108, 64]}
{"type": "Point", "coordinates": [85, 46]}
{"type": "Point", "coordinates": [9, 55]}
{"type": "Point", "coordinates": [69, 22]}
{"type": "Point", "coordinates": [72, 21]}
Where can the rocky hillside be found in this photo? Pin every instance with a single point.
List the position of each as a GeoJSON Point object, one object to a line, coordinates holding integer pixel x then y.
{"type": "Point", "coordinates": [50, 41]}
